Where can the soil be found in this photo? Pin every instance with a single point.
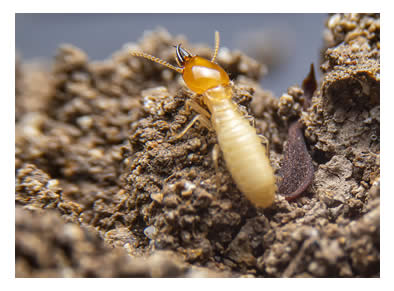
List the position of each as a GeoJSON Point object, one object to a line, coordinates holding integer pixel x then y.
{"type": "Point", "coordinates": [103, 191]}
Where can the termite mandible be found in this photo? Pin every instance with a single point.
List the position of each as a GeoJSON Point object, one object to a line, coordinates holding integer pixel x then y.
{"type": "Point", "coordinates": [245, 156]}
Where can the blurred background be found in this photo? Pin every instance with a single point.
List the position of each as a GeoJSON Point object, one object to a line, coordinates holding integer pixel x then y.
{"type": "Point", "coordinates": [286, 43]}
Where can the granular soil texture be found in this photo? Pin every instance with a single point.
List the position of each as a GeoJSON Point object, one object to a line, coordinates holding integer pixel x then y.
{"type": "Point", "coordinates": [103, 190]}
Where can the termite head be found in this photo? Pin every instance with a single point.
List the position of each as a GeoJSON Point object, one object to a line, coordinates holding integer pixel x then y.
{"type": "Point", "coordinates": [201, 75]}
{"type": "Point", "coordinates": [198, 73]}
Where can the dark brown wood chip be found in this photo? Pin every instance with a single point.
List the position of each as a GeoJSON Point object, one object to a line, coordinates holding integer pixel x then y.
{"type": "Point", "coordinates": [297, 169]}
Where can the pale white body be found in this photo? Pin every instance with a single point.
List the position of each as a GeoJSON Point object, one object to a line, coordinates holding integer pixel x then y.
{"type": "Point", "coordinates": [246, 158]}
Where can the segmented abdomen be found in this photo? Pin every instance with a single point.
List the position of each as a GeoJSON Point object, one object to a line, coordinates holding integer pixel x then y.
{"type": "Point", "coordinates": [245, 156]}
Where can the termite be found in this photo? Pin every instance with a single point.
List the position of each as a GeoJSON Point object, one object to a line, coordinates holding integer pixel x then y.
{"type": "Point", "coordinates": [245, 156]}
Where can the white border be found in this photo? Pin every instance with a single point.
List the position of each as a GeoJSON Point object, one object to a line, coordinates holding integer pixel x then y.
{"type": "Point", "coordinates": [245, 6]}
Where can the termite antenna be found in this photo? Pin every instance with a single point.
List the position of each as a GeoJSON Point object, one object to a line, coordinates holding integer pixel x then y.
{"type": "Point", "coordinates": [217, 41]}
{"type": "Point", "coordinates": [157, 60]}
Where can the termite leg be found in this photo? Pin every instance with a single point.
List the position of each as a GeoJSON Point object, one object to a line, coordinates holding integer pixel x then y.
{"type": "Point", "coordinates": [251, 120]}
{"type": "Point", "coordinates": [201, 118]}
{"type": "Point", "coordinates": [265, 142]}
{"type": "Point", "coordinates": [192, 104]}
{"type": "Point", "coordinates": [215, 158]}
{"type": "Point", "coordinates": [246, 115]}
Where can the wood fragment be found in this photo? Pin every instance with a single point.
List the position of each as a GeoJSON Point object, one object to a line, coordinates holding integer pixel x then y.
{"type": "Point", "coordinates": [297, 169]}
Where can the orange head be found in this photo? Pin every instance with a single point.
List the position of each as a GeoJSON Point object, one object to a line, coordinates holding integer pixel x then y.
{"type": "Point", "coordinates": [198, 73]}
